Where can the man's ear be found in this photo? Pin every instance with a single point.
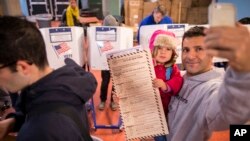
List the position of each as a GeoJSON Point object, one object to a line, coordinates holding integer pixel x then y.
{"type": "Point", "coordinates": [23, 67]}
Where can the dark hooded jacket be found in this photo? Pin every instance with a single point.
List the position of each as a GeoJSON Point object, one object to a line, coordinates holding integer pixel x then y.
{"type": "Point", "coordinates": [69, 85]}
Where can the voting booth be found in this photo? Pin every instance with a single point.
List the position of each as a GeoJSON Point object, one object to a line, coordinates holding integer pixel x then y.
{"type": "Point", "coordinates": [105, 39]}
{"type": "Point", "coordinates": [178, 29]}
{"type": "Point", "coordinates": [63, 42]}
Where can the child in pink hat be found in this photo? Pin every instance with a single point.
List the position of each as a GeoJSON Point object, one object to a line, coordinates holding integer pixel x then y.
{"type": "Point", "coordinates": [168, 78]}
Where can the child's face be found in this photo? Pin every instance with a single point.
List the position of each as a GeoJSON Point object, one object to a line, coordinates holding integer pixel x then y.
{"type": "Point", "coordinates": [163, 55]}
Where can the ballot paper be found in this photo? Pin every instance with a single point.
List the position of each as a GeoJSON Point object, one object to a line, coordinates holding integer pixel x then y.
{"type": "Point", "coordinates": [132, 72]}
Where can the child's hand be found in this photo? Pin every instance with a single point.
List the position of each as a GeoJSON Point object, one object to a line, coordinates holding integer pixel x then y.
{"type": "Point", "coordinates": [158, 83]}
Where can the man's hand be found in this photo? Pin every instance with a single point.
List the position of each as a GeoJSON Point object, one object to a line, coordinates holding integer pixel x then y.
{"type": "Point", "coordinates": [232, 43]}
{"type": "Point", "coordinates": [6, 126]}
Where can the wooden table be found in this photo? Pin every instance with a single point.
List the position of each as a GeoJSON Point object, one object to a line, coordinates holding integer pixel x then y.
{"type": "Point", "coordinates": [88, 20]}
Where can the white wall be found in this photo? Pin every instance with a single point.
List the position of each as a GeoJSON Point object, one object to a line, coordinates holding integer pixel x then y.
{"type": "Point", "coordinates": [242, 7]}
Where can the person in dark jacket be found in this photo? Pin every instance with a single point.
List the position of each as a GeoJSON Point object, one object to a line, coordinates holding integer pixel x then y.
{"type": "Point", "coordinates": [158, 16]}
{"type": "Point", "coordinates": [51, 104]}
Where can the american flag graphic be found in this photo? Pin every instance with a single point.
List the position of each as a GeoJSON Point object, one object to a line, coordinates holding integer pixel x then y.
{"type": "Point", "coordinates": [61, 48]}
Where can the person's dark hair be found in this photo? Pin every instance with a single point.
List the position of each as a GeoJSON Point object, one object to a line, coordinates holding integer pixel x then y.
{"type": "Point", "coordinates": [110, 20]}
{"type": "Point", "coordinates": [194, 32]}
{"type": "Point", "coordinates": [245, 20]}
{"type": "Point", "coordinates": [21, 40]}
{"type": "Point", "coordinates": [161, 9]}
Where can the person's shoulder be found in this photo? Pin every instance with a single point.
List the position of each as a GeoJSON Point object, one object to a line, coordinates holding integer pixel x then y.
{"type": "Point", "coordinates": [219, 71]}
{"type": "Point", "coordinates": [167, 19]}
{"type": "Point", "coordinates": [147, 19]}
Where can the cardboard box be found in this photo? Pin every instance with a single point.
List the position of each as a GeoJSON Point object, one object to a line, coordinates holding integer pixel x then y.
{"type": "Point", "coordinates": [201, 3]}
{"type": "Point", "coordinates": [135, 17]}
{"type": "Point", "coordinates": [197, 15]}
{"type": "Point", "coordinates": [126, 11]}
{"type": "Point", "coordinates": [184, 3]}
{"type": "Point", "coordinates": [1, 9]}
{"type": "Point", "coordinates": [11, 7]}
{"type": "Point", "coordinates": [168, 7]}
{"type": "Point", "coordinates": [135, 12]}
{"type": "Point", "coordinates": [162, 2]}
{"type": "Point", "coordinates": [179, 14]}
{"type": "Point", "coordinates": [148, 8]}
{"type": "Point", "coordinates": [166, 4]}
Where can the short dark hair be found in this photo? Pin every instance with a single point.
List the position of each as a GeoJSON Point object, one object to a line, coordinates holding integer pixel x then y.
{"type": "Point", "coordinates": [194, 32]}
{"type": "Point", "coordinates": [21, 40]}
{"type": "Point", "coordinates": [245, 20]}
{"type": "Point", "coordinates": [161, 9]}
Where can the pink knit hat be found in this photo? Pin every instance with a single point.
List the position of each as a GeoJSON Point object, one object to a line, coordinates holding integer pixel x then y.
{"type": "Point", "coordinates": [165, 38]}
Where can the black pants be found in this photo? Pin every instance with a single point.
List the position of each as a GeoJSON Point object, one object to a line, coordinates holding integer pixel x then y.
{"type": "Point", "coordinates": [104, 85]}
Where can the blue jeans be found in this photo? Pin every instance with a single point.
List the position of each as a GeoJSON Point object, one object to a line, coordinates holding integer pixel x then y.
{"type": "Point", "coordinates": [161, 138]}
